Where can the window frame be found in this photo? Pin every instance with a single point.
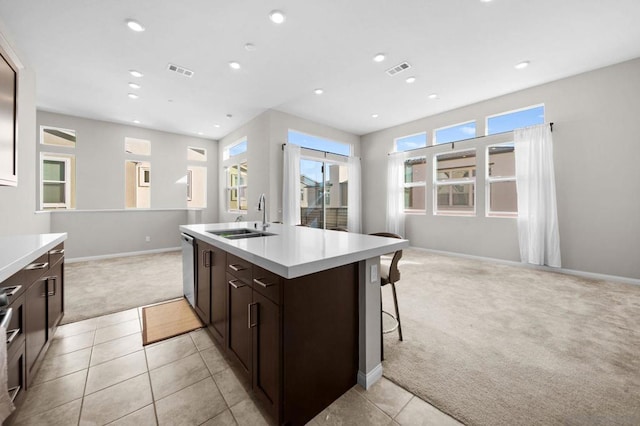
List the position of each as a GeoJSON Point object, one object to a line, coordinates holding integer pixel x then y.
{"type": "Point", "coordinates": [62, 129]}
{"type": "Point", "coordinates": [426, 141]}
{"type": "Point", "coordinates": [486, 119]}
{"type": "Point", "coordinates": [346, 144]}
{"type": "Point", "coordinates": [44, 156]}
{"type": "Point", "coordinates": [455, 181]}
{"type": "Point", "coordinates": [414, 184]}
{"type": "Point", "coordinates": [435, 142]}
{"type": "Point", "coordinates": [229, 187]}
{"type": "Point", "coordinates": [489, 180]}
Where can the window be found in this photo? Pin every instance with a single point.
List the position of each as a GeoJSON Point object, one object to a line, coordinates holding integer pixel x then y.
{"type": "Point", "coordinates": [507, 121]}
{"type": "Point", "coordinates": [324, 189]}
{"type": "Point", "coordinates": [196, 187]}
{"type": "Point", "coordinates": [239, 147]}
{"type": "Point", "coordinates": [318, 143]}
{"type": "Point", "coordinates": [57, 137]}
{"type": "Point", "coordinates": [410, 142]}
{"type": "Point", "coordinates": [502, 198]}
{"type": "Point", "coordinates": [137, 182]}
{"type": "Point", "coordinates": [137, 146]}
{"type": "Point", "coordinates": [237, 187]}
{"type": "Point", "coordinates": [454, 185]}
{"type": "Point", "coordinates": [196, 154]}
{"type": "Point", "coordinates": [57, 186]}
{"type": "Point", "coordinates": [455, 133]}
{"type": "Point", "coordinates": [415, 176]}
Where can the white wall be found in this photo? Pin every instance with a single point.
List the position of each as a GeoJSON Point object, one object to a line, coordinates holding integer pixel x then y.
{"type": "Point", "coordinates": [100, 186]}
{"type": "Point", "coordinates": [596, 153]}
{"type": "Point", "coordinates": [265, 135]}
{"type": "Point", "coordinates": [18, 204]}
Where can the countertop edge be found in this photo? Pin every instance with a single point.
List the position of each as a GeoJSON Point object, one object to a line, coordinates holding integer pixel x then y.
{"type": "Point", "coordinates": [298, 270]}
{"type": "Point", "coordinates": [23, 259]}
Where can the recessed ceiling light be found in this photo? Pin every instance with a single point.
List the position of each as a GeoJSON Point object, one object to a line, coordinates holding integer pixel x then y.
{"type": "Point", "coordinates": [374, 115]}
{"type": "Point", "coordinates": [134, 85]}
{"type": "Point", "coordinates": [485, 1]}
{"type": "Point", "coordinates": [136, 121]}
{"type": "Point", "coordinates": [277, 17]}
{"type": "Point", "coordinates": [136, 73]}
{"type": "Point", "coordinates": [522, 65]}
{"type": "Point", "coordinates": [410, 79]}
{"type": "Point", "coordinates": [433, 96]}
{"type": "Point", "coordinates": [200, 133]}
{"type": "Point", "coordinates": [249, 47]}
{"type": "Point", "coordinates": [234, 65]}
{"type": "Point", "coordinates": [379, 57]}
{"type": "Point", "coordinates": [135, 25]}
{"type": "Point", "coordinates": [217, 126]}
{"type": "Point", "coordinates": [133, 96]}
{"type": "Point", "coordinates": [318, 91]}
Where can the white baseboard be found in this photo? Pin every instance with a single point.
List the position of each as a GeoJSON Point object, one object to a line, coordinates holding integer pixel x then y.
{"type": "Point", "coordinates": [583, 274]}
{"type": "Point", "coordinates": [114, 255]}
{"type": "Point", "coordinates": [366, 380]}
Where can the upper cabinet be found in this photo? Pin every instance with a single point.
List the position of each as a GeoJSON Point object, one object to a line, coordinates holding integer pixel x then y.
{"type": "Point", "coordinates": [8, 122]}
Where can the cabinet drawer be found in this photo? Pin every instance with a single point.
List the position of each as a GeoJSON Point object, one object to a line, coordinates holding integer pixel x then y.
{"type": "Point", "coordinates": [15, 329]}
{"type": "Point", "coordinates": [15, 285]}
{"type": "Point", "coordinates": [239, 268]}
{"type": "Point", "coordinates": [16, 372]}
{"type": "Point", "coordinates": [35, 269]}
{"type": "Point", "coordinates": [267, 283]}
{"type": "Point", "coordinates": [56, 253]}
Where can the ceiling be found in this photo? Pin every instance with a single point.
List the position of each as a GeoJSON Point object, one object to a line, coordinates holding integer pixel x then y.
{"type": "Point", "coordinates": [462, 50]}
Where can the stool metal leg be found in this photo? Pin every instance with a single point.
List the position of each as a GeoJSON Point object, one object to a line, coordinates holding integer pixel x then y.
{"type": "Point", "coordinates": [395, 302]}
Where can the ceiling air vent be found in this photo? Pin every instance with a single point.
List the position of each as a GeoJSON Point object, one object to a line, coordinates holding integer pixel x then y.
{"type": "Point", "coordinates": [398, 68]}
{"type": "Point", "coordinates": [180, 70]}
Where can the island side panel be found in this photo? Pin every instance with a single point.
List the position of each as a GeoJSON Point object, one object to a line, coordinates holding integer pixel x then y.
{"type": "Point", "coordinates": [320, 331]}
{"type": "Point", "coordinates": [370, 323]}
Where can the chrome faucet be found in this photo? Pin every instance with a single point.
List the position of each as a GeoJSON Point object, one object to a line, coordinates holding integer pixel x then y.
{"type": "Point", "coordinates": [262, 206]}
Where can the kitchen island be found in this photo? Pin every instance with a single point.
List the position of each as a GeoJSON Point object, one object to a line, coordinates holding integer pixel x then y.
{"type": "Point", "coordinates": [298, 310]}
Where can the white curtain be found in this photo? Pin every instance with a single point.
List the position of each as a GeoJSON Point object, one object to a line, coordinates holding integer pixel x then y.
{"type": "Point", "coordinates": [354, 199]}
{"type": "Point", "coordinates": [537, 209]}
{"type": "Point", "coordinates": [395, 194]}
{"type": "Point", "coordinates": [291, 185]}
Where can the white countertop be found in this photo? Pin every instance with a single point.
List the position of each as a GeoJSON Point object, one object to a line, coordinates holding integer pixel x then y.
{"type": "Point", "coordinates": [18, 251]}
{"type": "Point", "coordinates": [296, 250]}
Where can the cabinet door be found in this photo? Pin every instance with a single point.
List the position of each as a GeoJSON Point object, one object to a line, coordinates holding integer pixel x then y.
{"type": "Point", "coordinates": [218, 295]}
{"type": "Point", "coordinates": [239, 294]}
{"type": "Point", "coordinates": [265, 318]}
{"type": "Point", "coordinates": [54, 296]}
{"type": "Point", "coordinates": [36, 320]}
{"type": "Point", "coordinates": [203, 281]}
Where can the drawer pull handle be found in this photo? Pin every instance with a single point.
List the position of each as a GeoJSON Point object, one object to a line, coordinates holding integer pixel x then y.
{"type": "Point", "coordinates": [262, 283]}
{"type": "Point", "coordinates": [35, 266]}
{"type": "Point", "coordinates": [55, 282]}
{"type": "Point", "coordinates": [237, 268]}
{"type": "Point", "coordinates": [57, 251]}
{"type": "Point", "coordinates": [234, 283]}
{"type": "Point", "coordinates": [14, 392]}
{"type": "Point", "coordinates": [249, 323]}
{"type": "Point", "coordinates": [11, 335]}
{"type": "Point", "coordinates": [11, 291]}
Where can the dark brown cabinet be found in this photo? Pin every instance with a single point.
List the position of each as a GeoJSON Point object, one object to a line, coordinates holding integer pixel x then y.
{"type": "Point", "coordinates": [202, 289]}
{"type": "Point", "coordinates": [218, 323]}
{"type": "Point", "coordinates": [37, 323]}
{"type": "Point", "coordinates": [36, 300]}
{"type": "Point", "coordinates": [295, 340]}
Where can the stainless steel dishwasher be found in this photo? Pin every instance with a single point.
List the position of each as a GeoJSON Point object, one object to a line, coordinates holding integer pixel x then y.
{"type": "Point", "coordinates": [188, 268]}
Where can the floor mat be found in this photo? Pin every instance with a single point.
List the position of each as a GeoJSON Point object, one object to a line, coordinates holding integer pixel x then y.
{"type": "Point", "coordinates": [167, 320]}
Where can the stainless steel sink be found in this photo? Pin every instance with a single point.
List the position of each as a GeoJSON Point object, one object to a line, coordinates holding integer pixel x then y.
{"type": "Point", "coordinates": [237, 234]}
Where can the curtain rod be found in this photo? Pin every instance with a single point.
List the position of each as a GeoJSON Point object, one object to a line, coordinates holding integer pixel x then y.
{"type": "Point", "coordinates": [453, 144]}
{"type": "Point", "coordinates": [318, 150]}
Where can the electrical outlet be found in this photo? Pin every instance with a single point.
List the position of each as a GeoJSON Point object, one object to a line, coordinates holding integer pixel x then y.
{"type": "Point", "coordinates": [374, 273]}
{"type": "Point", "coordinates": [147, 239]}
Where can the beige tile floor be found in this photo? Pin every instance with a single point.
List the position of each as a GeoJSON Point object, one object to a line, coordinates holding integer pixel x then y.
{"type": "Point", "coordinates": [97, 372]}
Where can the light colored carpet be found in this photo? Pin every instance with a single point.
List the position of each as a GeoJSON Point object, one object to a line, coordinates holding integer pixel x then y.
{"type": "Point", "coordinates": [100, 287]}
{"type": "Point", "coordinates": [493, 344]}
